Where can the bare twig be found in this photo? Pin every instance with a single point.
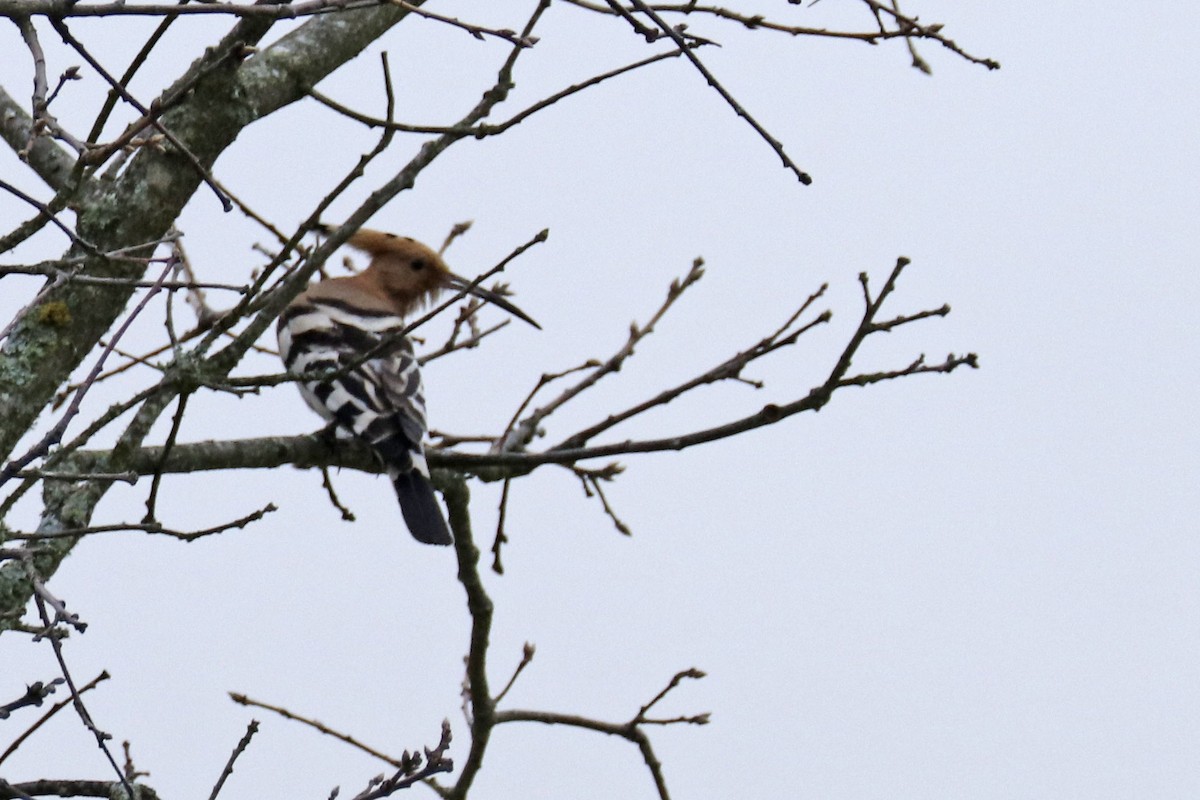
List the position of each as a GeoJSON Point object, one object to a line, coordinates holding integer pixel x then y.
{"type": "Point", "coordinates": [918, 63]}
{"type": "Point", "coordinates": [501, 538]}
{"type": "Point", "coordinates": [148, 527]}
{"type": "Point", "coordinates": [526, 657]}
{"type": "Point", "coordinates": [334, 500]}
{"type": "Point", "coordinates": [35, 694]}
{"type": "Point", "coordinates": [132, 773]}
{"type": "Point", "coordinates": [545, 380]}
{"type": "Point", "coordinates": [135, 132]}
{"type": "Point", "coordinates": [631, 730]}
{"type": "Point", "coordinates": [156, 479]}
{"type": "Point", "coordinates": [411, 770]}
{"type": "Point", "coordinates": [712, 81]}
{"type": "Point", "coordinates": [454, 344]}
{"type": "Point", "coordinates": [138, 61]}
{"type": "Point", "coordinates": [730, 369]}
{"type": "Point", "coordinates": [242, 699]}
{"type": "Point", "coordinates": [113, 412]}
{"type": "Point", "coordinates": [196, 299]}
{"type": "Point", "coordinates": [50, 215]}
{"type": "Point", "coordinates": [101, 737]}
{"type": "Point", "coordinates": [51, 269]}
{"type": "Point", "coordinates": [54, 709]}
{"type": "Point", "coordinates": [205, 174]}
{"type": "Point", "coordinates": [519, 435]}
{"type": "Point", "coordinates": [251, 729]}
{"type": "Point", "coordinates": [42, 119]}
{"type": "Point", "coordinates": [910, 27]}
{"type": "Point", "coordinates": [482, 130]}
{"type": "Point", "coordinates": [906, 27]}
{"type": "Point", "coordinates": [459, 229]}
{"type": "Point", "coordinates": [591, 486]}
{"type": "Point", "coordinates": [60, 607]}
{"type": "Point", "coordinates": [692, 673]}
{"type": "Point", "coordinates": [478, 31]}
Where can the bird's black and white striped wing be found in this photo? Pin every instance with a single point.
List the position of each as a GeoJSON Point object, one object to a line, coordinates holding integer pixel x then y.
{"type": "Point", "coordinates": [380, 401]}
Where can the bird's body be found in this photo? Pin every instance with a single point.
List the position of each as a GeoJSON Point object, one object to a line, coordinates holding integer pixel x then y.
{"type": "Point", "coordinates": [335, 331]}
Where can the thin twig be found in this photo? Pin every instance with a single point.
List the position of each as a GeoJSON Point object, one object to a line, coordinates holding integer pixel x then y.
{"type": "Point", "coordinates": [242, 699]}
{"type": "Point", "coordinates": [631, 730]}
{"type": "Point", "coordinates": [51, 270]}
{"type": "Point", "coordinates": [50, 216]}
{"type": "Point", "coordinates": [205, 174]}
{"type": "Point", "coordinates": [134, 132]}
{"type": "Point", "coordinates": [679, 40]}
{"type": "Point", "coordinates": [519, 435]}
{"type": "Point", "coordinates": [35, 694]}
{"type": "Point", "coordinates": [101, 737]}
{"type": "Point", "coordinates": [527, 653]}
{"type": "Point", "coordinates": [334, 500]}
{"type": "Point", "coordinates": [251, 729]}
{"type": "Point", "coordinates": [156, 479]}
{"type": "Point", "coordinates": [41, 102]}
{"type": "Point", "coordinates": [138, 61]}
{"type": "Point", "coordinates": [468, 343]}
{"type": "Point", "coordinates": [545, 380]}
{"type": "Point", "coordinates": [501, 537]}
{"type": "Point", "coordinates": [477, 31]}
{"type": "Point", "coordinates": [730, 369]}
{"type": "Point", "coordinates": [906, 27]}
{"type": "Point", "coordinates": [148, 527]}
{"type": "Point", "coordinates": [411, 770]}
{"type": "Point", "coordinates": [692, 673]}
{"type": "Point", "coordinates": [910, 27]}
{"type": "Point", "coordinates": [482, 130]}
{"type": "Point", "coordinates": [456, 231]}
{"type": "Point", "coordinates": [591, 485]}
{"type": "Point", "coordinates": [54, 709]}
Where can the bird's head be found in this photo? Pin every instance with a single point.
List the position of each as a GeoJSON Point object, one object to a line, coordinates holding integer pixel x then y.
{"type": "Point", "coordinates": [410, 273]}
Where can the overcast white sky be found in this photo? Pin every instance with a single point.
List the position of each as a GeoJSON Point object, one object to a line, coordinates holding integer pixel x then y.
{"type": "Point", "coordinates": [985, 585]}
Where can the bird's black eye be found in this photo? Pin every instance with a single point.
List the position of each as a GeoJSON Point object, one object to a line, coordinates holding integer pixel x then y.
{"type": "Point", "coordinates": [418, 264]}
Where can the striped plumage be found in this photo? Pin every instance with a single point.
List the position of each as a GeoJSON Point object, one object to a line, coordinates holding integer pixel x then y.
{"type": "Point", "coordinates": [334, 323]}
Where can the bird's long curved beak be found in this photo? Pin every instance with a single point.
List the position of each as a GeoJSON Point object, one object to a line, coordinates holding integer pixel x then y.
{"type": "Point", "coordinates": [462, 284]}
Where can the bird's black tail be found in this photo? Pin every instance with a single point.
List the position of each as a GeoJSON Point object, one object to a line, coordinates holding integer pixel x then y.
{"type": "Point", "coordinates": [420, 507]}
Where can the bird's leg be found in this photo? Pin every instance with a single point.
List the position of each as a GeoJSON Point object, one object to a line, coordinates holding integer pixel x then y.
{"type": "Point", "coordinates": [329, 434]}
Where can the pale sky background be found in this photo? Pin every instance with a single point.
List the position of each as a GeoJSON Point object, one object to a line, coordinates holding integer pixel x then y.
{"type": "Point", "coordinates": [985, 585]}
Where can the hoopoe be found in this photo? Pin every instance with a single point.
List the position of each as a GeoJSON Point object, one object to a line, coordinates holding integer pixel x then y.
{"type": "Point", "coordinates": [335, 323]}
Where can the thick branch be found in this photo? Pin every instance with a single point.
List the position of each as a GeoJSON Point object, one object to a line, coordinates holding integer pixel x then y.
{"type": "Point", "coordinates": [51, 163]}
{"type": "Point", "coordinates": [145, 200]}
{"type": "Point", "coordinates": [71, 788]}
{"type": "Point", "coordinates": [315, 450]}
{"type": "Point", "coordinates": [273, 10]}
{"type": "Point", "coordinates": [479, 605]}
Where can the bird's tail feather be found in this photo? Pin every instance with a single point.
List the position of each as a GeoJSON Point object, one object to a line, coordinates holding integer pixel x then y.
{"type": "Point", "coordinates": [420, 507]}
